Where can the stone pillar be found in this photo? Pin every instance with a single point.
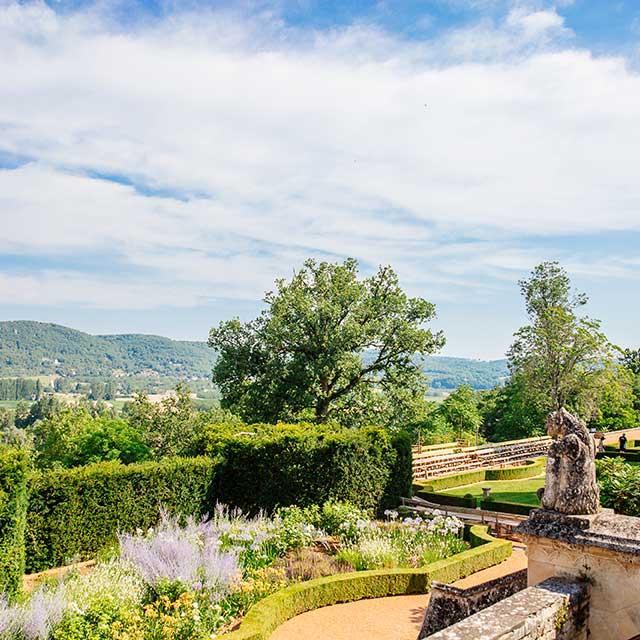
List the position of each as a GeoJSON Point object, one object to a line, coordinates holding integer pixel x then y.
{"type": "Point", "coordinates": [602, 549]}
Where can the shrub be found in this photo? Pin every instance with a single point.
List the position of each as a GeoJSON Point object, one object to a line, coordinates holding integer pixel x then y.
{"type": "Point", "coordinates": [74, 513]}
{"type": "Point", "coordinates": [529, 470]}
{"type": "Point", "coordinates": [13, 509]}
{"type": "Point", "coordinates": [506, 507]}
{"type": "Point", "coordinates": [447, 500]}
{"type": "Point", "coordinates": [268, 466]}
{"type": "Point", "coordinates": [619, 486]}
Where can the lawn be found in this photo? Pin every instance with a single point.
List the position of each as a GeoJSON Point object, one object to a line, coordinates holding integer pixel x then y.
{"type": "Point", "coordinates": [522, 491]}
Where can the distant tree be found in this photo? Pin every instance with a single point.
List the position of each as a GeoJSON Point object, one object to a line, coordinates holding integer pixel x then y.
{"type": "Point", "coordinates": [460, 410]}
{"type": "Point", "coordinates": [168, 426]}
{"type": "Point", "coordinates": [615, 400]}
{"type": "Point", "coordinates": [327, 342]}
{"type": "Point", "coordinates": [559, 355]}
{"type": "Point", "coordinates": [512, 412]}
{"type": "Point", "coordinates": [6, 419]}
{"type": "Point", "coordinates": [73, 437]}
{"type": "Point", "coordinates": [631, 360]}
{"type": "Point", "coordinates": [43, 408]}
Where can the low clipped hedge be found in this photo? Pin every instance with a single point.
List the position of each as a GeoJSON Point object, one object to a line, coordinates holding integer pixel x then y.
{"type": "Point", "coordinates": [268, 614]}
{"type": "Point", "coordinates": [448, 500]}
{"type": "Point", "coordinates": [74, 513]}
{"type": "Point", "coordinates": [13, 510]}
{"type": "Point", "coordinates": [266, 466]}
{"type": "Point", "coordinates": [531, 469]}
{"type": "Point", "coordinates": [629, 456]}
{"type": "Point", "coordinates": [507, 507]}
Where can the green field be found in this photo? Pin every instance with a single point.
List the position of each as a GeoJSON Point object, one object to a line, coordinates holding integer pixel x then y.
{"type": "Point", "coordinates": [9, 404]}
{"type": "Point", "coordinates": [522, 491]}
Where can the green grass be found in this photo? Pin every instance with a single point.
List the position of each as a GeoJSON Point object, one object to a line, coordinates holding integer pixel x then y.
{"type": "Point", "coordinates": [521, 491]}
{"type": "Point", "coordinates": [10, 404]}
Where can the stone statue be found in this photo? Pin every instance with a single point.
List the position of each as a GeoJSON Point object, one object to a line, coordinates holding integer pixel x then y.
{"type": "Point", "coordinates": [571, 486]}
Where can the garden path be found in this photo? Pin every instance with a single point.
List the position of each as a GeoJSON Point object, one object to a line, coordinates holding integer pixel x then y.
{"type": "Point", "coordinates": [394, 618]}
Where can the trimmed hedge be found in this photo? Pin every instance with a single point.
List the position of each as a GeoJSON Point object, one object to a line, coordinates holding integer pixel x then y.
{"type": "Point", "coordinates": [531, 469]}
{"type": "Point", "coordinates": [303, 464]}
{"type": "Point", "coordinates": [448, 500]}
{"type": "Point", "coordinates": [13, 510]}
{"type": "Point", "coordinates": [74, 513]}
{"type": "Point", "coordinates": [629, 456]}
{"type": "Point", "coordinates": [264, 617]}
{"type": "Point", "coordinates": [507, 507]}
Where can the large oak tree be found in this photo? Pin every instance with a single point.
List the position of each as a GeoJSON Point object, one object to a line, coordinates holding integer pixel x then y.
{"type": "Point", "coordinates": [329, 345]}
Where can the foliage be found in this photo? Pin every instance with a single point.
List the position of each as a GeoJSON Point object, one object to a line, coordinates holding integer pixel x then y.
{"type": "Point", "coordinates": [411, 542]}
{"type": "Point", "coordinates": [73, 513]}
{"type": "Point", "coordinates": [36, 348]}
{"type": "Point", "coordinates": [20, 388]}
{"type": "Point", "coordinates": [168, 426]}
{"type": "Point", "coordinates": [306, 464]}
{"type": "Point", "coordinates": [513, 411]}
{"type": "Point", "coordinates": [460, 410]}
{"type": "Point", "coordinates": [559, 355]}
{"type": "Point", "coordinates": [13, 509]}
{"type": "Point", "coordinates": [449, 373]}
{"type": "Point", "coordinates": [305, 352]}
{"type": "Point", "coordinates": [73, 437]}
{"type": "Point", "coordinates": [619, 486]}
{"type": "Point", "coordinates": [77, 512]}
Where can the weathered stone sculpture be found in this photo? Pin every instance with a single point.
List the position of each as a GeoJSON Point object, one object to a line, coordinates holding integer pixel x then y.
{"type": "Point", "coordinates": [571, 486]}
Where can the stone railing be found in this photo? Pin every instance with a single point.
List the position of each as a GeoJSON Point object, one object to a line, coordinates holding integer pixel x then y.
{"type": "Point", "coordinates": [556, 609]}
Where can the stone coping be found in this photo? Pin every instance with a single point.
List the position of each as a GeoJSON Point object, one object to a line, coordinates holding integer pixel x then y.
{"type": "Point", "coordinates": [605, 530]}
{"type": "Point", "coordinates": [480, 588]}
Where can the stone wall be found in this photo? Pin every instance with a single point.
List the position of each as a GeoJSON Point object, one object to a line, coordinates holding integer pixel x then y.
{"type": "Point", "coordinates": [556, 609]}
{"type": "Point", "coordinates": [603, 549]}
{"type": "Point", "coordinates": [449, 604]}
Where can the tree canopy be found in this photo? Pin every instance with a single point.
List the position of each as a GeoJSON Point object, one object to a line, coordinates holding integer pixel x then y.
{"type": "Point", "coordinates": [329, 345]}
{"type": "Point", "coordinates": [560, 355]}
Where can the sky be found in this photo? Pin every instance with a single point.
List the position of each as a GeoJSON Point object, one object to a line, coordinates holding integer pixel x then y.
{"type": "Point", "coordinates": [161, 163]}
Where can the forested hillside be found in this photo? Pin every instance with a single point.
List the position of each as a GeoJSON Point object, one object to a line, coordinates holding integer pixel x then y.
{"type": "Point", "coordinates": [450, 373]}
{"type": "Point", "coordinates": [35, 348]}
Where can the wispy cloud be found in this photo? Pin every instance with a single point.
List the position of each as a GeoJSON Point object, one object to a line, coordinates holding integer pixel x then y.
{"type": "Point", "coordinates": [210, 152]}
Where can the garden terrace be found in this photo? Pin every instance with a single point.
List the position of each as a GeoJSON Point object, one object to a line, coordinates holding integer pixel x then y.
{"type": "Point", "coordinates": [441, 460]}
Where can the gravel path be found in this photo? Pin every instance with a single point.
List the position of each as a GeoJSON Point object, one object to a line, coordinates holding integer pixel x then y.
{"type": "Point", "coordinates": [395, 618]}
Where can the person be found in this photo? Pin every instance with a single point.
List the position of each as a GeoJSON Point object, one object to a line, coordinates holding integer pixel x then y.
{"type": "Point", "coordinates": [623, 442]}
{"type": "Point", "coordinates": [601, 444]}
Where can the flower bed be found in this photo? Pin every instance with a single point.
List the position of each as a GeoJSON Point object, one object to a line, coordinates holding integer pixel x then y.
{"type": "Point", "coordinates": [196, 580]}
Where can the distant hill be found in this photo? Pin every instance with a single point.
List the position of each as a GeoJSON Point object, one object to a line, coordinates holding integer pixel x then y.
{"type": "Point", "coordinates": [35, 348]}
{"type": "Point", "coordinates": [450, 373]}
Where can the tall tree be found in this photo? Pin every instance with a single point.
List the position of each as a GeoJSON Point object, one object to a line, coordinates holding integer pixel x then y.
{"type": "Point", "coordinates": [560, 354]}
{"type": "Point", "coordinates": [326, 344]}
{"type": "Point", "coordinates": [460, 410]}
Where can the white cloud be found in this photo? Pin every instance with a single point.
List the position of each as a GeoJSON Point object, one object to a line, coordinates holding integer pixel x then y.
{"type": "Point", "coordinates": [281, 143]}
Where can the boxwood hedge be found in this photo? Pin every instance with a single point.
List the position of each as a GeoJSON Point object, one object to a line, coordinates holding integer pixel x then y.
{"type": "Point", "coordinates": [13, 509]}
{"type": "Point", "coordinates": [264, 468]}
{"type": "Point", "coordinates": [74, 513]}
{"type": "Point", "coordinates": [283, 605]}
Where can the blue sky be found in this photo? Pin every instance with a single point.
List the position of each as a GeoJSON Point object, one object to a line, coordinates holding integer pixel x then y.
{"type": "Point", "coordinates": [162, 162]}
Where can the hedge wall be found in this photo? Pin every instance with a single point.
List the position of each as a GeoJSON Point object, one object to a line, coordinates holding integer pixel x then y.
{"type": "Point", "coordinates": [507, 507]}
{"type": "Point", "coordinates": [268, 614]}
{"type": "Point", "coordinates": [13, 510]}
{"type": "Point", "coordinates": [531, 469]}
{"type": "Point", "coordinates": [629, 456]}
{"type": "Point", "coordinates": [74, 513]}
{"type": "Point", "coordinates": [300, 464]}
{"type": "Point", "coordinates": [449, 500]}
